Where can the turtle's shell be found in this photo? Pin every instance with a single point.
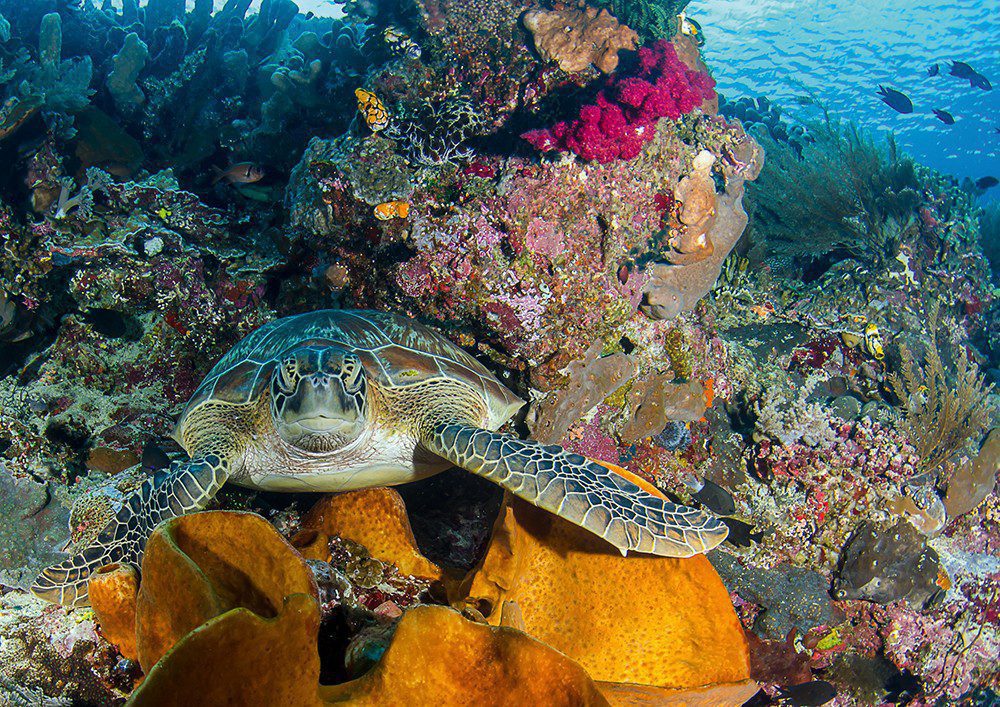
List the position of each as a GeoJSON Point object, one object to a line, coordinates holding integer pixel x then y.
{"type": "Point", "coordinates": [396, 352]}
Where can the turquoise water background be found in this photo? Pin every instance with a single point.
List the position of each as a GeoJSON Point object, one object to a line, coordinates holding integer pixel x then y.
{"type": "Point", "coordinates": [841, 51]}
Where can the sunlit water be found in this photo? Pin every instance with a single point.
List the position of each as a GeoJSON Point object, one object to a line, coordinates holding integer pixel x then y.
{"type": "Point", "coordinates": [841, 51]}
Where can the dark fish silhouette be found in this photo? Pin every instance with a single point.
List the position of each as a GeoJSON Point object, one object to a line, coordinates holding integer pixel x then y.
{"type": "Point", "coordinates": [933, 70]}
{"type": "Point", "coordinates": [741, 534]}
{"type": "Point", "coordinates": [899, 102]}
{"type": "Point", "coordinates": [808, 694]}
{"type": "Point", "coordinates": [980, 81]}
{"type": "Point", "coordinates": [986, 182]}
{"type": "Point", "coordinates": [154, 458]}
{"type": "Point", "coordinates": [961, 70]}
{"type": "Point", "coordinates": [710, 494]}
{"type": "Point", "coordinates": [944, 116]}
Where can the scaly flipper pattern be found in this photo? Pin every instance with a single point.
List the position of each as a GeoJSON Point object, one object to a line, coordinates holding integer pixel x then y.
{"type": "Point", "coordinates": [579, 490]}
{"type": "Point", "coordinates": [186, 487]}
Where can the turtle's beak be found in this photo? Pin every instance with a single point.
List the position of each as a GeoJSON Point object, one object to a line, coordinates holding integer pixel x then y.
{"type": "Point", "coordinates": [320, 413]}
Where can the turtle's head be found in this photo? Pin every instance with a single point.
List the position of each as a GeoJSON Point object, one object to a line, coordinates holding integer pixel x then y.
{"type": "Point", "coordinates": [318, 397]}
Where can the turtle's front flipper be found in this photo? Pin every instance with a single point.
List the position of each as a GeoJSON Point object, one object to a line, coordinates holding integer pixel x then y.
{"type": "Point", "coordinates": [186, 487]}
{"type": "Point", "coordinates": [581, 491]}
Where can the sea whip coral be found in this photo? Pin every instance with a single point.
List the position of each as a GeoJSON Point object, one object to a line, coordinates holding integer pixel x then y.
{"type": "Point", "coordinates": [626, 111]}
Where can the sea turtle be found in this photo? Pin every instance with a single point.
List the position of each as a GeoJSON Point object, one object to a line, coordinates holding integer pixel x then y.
{"type": "Point", "coordinates": [336, 400]}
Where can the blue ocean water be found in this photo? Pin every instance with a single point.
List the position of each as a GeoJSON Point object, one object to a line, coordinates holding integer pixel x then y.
{"type": "Point", "coordinates": [840, 52]}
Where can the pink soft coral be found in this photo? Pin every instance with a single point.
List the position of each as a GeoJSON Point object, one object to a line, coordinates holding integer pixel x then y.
{"type": "Point", "coordinates": [626, 111]}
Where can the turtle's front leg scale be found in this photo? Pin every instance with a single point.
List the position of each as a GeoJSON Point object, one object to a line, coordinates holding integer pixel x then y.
{"type": "Point", "coordinates": [581, 491]}
{"type": "Point", "coordinates": [186, 487]}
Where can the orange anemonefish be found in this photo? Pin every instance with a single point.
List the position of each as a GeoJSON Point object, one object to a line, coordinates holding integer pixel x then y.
{"type": "Point", "coordinates": [392, 209]}
{"type": "Point", "coordinates": [374, 112]}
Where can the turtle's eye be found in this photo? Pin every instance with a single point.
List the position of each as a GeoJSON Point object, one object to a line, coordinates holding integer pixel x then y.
{"type": "Point", "coordinates": [352, 374]}
{"type": "Point", "coordinates": [287, 375]}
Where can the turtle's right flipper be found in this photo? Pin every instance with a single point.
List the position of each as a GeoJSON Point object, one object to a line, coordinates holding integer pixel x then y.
{"type": "Point", "coordinates": [186, 487]}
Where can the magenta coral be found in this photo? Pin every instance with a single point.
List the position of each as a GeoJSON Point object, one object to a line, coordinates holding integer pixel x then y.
{"type": "Point", "coordinates": [626, 110]}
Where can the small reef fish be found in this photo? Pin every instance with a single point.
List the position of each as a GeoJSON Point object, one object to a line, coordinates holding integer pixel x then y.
{"type": "Point", "coordinates": [163, 213]}
{"type": "Point", "coordinates": [240, 173]}
{"type": "Point", "coordinates": [154, 458]}
{"type": "Point", "coordinates": [710, 494]}
{"type": "Point", "coordinates": [389, 210]}
{"type": "Point", "coordinates": [692, 29]}
{"type": "Point", "coordinates": [933, 70]}
{"type": "Point", "coordinates": [372, 110]}
{"type": "Point", "coordinates": [980, 81]}
{"type": "Point", "coordinates": [960, 69]}
{"type": "Point", "coordinates": [808, 694]}
{"type": "Point", "coordinates": [899, 102]}
{"type": "Point", "coordinates": [944, 116]}
{"type": "Point", "coordinates": [986, 182]}
{"type": "Point", "coordinates": [873, 342]}
{"type": "Point", "coordinates": [741, 534]}
{"type": "Point", "coordinates": [400, 43]}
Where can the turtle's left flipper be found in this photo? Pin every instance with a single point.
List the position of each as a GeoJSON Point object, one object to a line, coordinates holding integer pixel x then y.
{"type": "Point", "coordinates": [186, 487]}
{"type": "Point", "coordinates": [579, 490]}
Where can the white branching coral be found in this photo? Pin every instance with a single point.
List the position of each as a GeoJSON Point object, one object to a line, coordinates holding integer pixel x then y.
{"type": "Point", "coordinates": [789, 417]}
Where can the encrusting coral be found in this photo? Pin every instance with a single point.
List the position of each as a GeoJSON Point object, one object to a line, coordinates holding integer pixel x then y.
{"type": "Point", "coordinates": [437, 656]}
{"type": "Point", "coordinates": [577, 37]}
{"type": "Point", "coordinates": [974, 479]}
{"type": "Point", "coordinates": [696, 194]}
{"type": "Point", "coordinates": [201, 566]}
{"type": "Point", "coordinates": [590, 381]}
{"type": "Point", "coordinates": [348, 516]}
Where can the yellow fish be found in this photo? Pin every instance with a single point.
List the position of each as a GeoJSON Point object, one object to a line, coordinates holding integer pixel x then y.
{"type": "Point", "coordinates": [374, 112]}
{"type": "Point", "coordinates": [400, 43]}
{"type": "Point", "coordinates": [392, 209]}
{"type": "Point", "coordinates": [873, 342]}
{"type": "Point", "coordinates": [163, 213]}
{"type": "Point", "coordinates": [691, 28]}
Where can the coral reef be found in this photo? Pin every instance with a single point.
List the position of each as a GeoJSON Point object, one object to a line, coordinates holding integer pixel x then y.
{"type": "Point", "coordinates": [765, 352]}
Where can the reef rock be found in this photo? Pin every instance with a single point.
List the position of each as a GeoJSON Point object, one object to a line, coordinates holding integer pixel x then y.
{"type": "Point", "coordinates": [575, 38]}
{"type": "Point", "coordinates": [33, 522]}
{"type": "Point", "coordinates": [886, 565]}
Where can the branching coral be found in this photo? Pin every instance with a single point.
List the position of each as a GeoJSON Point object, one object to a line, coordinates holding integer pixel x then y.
{"type": "Point", "coordinates": [941, 412]}
{"type": "Point", "coordinates": [790, 418]}
{"type": "Point", "coordinates": [845, 195]}
{"type": "Point", "coordinates": [623, 118]}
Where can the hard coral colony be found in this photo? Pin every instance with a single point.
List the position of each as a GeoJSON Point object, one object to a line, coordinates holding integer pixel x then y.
{"type": "Point", "coordinates": [324, 256]}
